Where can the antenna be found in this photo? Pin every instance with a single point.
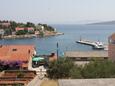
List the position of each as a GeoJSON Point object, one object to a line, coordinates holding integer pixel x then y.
{"type": "Point", "coordinates": [80, 38]}
{"type": "Point", "coordinates": [57, 49]}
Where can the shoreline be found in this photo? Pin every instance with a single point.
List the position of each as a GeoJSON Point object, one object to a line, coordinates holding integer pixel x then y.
{"type": "Point", "coordinates": [30, 36]}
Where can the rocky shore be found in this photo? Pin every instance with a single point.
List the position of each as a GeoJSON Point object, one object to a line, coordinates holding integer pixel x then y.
{"type": "Point", "coordinates": [47, 34]}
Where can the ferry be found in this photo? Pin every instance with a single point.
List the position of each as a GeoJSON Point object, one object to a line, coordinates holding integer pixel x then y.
{"type": "Point", "coordinates": [95, 45]}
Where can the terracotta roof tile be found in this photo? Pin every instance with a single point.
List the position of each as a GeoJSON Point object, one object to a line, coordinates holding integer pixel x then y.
{"type": "Point", "coordinates": [18, 28]}
{"type": "Point", "coordinates": [16, 52]}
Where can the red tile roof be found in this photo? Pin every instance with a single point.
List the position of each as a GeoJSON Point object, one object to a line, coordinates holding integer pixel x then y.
{"type": "Point", "coordinates": [29, 28]}
{"type": "Point", "coordinates": [16, 52]}
{"type": "Point", "coordinates": [18, 29]}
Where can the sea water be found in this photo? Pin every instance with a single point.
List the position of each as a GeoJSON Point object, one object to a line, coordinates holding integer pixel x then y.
{"type": "Point", "coordinates": [67, 42]}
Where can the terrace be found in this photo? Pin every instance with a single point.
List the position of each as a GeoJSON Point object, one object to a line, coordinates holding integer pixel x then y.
{"type": "Point", "coordinates": [16, 77]}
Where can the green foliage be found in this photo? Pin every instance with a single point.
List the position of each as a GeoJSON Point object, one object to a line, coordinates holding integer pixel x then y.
{"type": "Point", "coordinates": [29, 24]}
{"type": "Point", "coordinates": [47, 27]}
{"type": "Point", "coordinates": [75, 72]}
{"type": "Point", "coordinates": [60, 68]}
{"type": "Point", "coordinates": [64, 68]}
{"type": "Point", "coordinates": [41, 33]}
{"type": "Point", "coordinates": [31, 32]}
{"type": "Point", "coordinates": [21, 32]}
{"type": "Point", "coordinates": [13, 25]}
{"type": "Point", "coordinates": [7, 31]}
{"type": "Point", "coordinates": [99, 69]}
{"type": "Point", "coordinates": [22, 25]}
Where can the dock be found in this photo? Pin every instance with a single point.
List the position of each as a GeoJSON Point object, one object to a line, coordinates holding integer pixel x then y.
{"type": "Point", "coordinates": [95, 45]}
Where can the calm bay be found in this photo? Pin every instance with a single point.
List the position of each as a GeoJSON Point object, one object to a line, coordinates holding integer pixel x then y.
{"type": "Point", "coordinates": [67, 42]}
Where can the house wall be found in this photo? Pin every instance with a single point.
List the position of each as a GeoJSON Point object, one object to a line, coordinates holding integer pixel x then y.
{"type": "Point", "coordinates": [111, 51]}
{"type": "Point", "coordinates": [111, 47]}
{"type": "Point", "coordinates": [1, 32]}
{"type": "Point", "coordinates": [87, 58]}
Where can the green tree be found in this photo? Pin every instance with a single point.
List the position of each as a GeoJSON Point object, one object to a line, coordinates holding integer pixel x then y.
{"type": "Point", "coordinates": [99, 69]}
{"type": "Point", "coordinates": [64, 68]}
{"type": "Point", "coordinates": [21, 25]}
{"type": "Point", "coordinates": [13, 25]}
{"type": "Point", "coordinates": [41, 33]}
{"type": "Point", "coordinates": [47, 27]}
{"type": "Point", "coordinates": [8, 31]}
{"type": "Point", "coordinates": [21, 32]}
{"type": "Point", "coordinates": [60, 68]}
{"type": "Point", "coordinates": [29, 24]}
{"type": "Point", "coordinates": [75, 72]}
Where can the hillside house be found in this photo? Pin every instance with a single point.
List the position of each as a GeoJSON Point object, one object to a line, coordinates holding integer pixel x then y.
{"type": "Point", "coordinates": [17, 53]}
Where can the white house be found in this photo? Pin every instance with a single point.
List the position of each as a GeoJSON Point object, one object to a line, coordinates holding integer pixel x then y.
{"type": "Point", "coordinates": [2, 32]}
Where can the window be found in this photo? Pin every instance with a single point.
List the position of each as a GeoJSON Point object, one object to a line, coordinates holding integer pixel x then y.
{"type": "Point", "coordinates": [14, 49]}
{"type": "Point", "coordinates": [105, 58]}
{"type": "Point", "coordinates": [111, 41]}
{"type": "Point", "coordinates": [84, 58]}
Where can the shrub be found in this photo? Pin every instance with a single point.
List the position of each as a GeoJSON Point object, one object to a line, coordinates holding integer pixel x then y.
{"type": "Point", "coordinates": [60, 68]}
{"type": "Point", "coordinates": [64, 68]}
{"type": "Point", "coordinates": [21, 32]}
{"type": "Point", "coordinates": [75, 72]}
{"type": "Point", "coordinates": [99, 69]}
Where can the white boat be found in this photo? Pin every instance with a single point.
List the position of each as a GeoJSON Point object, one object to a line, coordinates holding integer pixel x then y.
{"type": "Point", "coordinates": [95, 45]}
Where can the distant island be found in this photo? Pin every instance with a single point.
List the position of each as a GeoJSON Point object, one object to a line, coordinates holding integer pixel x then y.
{"type": "Point", "coordinates": [104, 23]}
{"type": "Point", "coordinates": [12, 29]}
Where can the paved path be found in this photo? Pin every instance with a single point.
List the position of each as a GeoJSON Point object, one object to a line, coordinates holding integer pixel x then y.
{"type": "Point", "coordinates": [87, 82]}
{"type": "Point", "coordinates": [35, 82]}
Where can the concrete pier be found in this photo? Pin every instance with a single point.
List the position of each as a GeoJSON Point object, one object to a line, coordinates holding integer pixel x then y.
{"type": "Point", "coordinates": [95, 45]}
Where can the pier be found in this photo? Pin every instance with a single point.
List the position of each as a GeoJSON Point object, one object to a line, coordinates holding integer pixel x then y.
{"type": "Point", "coordinates": [95, 45]}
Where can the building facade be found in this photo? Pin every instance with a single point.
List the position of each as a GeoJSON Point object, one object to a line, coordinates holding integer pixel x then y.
{"type": "Point", "coordinates": [111, 47]}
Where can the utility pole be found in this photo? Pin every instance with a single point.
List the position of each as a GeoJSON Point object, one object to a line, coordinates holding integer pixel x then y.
{"type": "Point", "coordinates": [57, 51]}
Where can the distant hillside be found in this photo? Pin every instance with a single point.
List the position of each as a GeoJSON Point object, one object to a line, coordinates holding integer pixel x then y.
{"type": "Point", "coordinates": [104, 23]}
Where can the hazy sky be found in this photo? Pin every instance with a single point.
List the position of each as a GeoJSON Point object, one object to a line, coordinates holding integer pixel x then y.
{"type": "Point", "coordinates": [57, 11]}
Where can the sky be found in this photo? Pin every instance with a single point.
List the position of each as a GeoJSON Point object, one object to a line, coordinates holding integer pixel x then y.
{"type": "Point", "coordinates": [57, 11]}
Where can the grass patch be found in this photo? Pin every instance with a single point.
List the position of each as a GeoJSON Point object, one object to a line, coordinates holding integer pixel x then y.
{"type": "Point", "coordinates": [49, 83]}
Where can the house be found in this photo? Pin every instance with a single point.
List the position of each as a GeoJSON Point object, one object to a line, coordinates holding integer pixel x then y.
{"type": "Point", "coordinates": [19, 28]}
{"type": "Point", "coordinates": [2, 32]}
{"type": "Point", "coordinates": [40, 27]}
{"type": "Point", "coordinates": [36, 32]}
{"type": "Point", "coordinates": [29, 29]}
{"type": "Point", "coordinates": [111, 46]}
{"type": "Point", "coordinates": [5, 24]}
{"type": "Point", "coordinates": [17, 53]}
{"type": "Point", "coordinates": [52, 57]}
{"type": "Point", "coordinates": [83, 57]}
{"type": "Point", "coordinates": [86, 55]}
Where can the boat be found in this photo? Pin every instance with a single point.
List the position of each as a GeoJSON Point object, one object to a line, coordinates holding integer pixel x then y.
{"type": "Point", "coordinates": [95, 45]}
